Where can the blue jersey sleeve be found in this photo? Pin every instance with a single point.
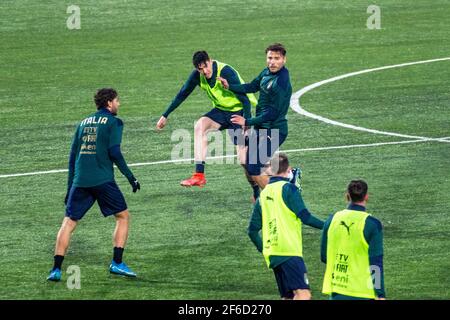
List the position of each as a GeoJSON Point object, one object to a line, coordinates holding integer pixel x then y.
{"type": "Point", "coordinates": [115, 154]}
{"type": "Point", "coordinates": [373, 233]}
{"type": "Point", "coordinates": [116, 130]}
{"type": "Point", "coordinates": [72, 158]}
{"type": "Point", "coordinates": [324, 240]}
{"type": "Point", "coordinates": [255, 225]}
{"type": "Point", "coordinates": [114, 151]}
{"type": "Point", "coordinates": [251, 87]}
{"type": "Point", "coordinates": [185, 91]}
{"type": "Point", "coordinates": [232, 77]}
{"type": "Point", "coordinates": [294, 201]}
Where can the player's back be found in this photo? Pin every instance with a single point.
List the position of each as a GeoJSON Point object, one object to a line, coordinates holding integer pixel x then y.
{"type": "Point", "coordinates": [95, 135]}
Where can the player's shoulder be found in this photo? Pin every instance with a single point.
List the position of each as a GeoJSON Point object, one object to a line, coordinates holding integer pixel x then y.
{"type": "Point", "coordinates": [117, 121]}
{"type": "Point", "coordinates": [227, 69]}
{"type": "Point", "coordinates": [265, 72]}
{"type": "Point", "coordinates": [291, 188]}
{"type": "Point", "coordinates": [113, 121]}
{"type": "Point", "coordinates": [194, 76]}
{"type": "Point", "coordinates": [373, 222]}
{"type": "Point", "coordinates": [283, 76]}
{"type": "Point", "coordinates": [291, 191]}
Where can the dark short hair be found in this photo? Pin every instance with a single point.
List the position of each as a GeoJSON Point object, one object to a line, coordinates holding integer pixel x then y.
{"type": "Point", "coordinates": [280, 163]}
{"type": "Point", "coordinates": [199, 58]}
{"type": "Point", "coordinates": [357, 190]}
{"type": "Point", "coordinates": [104, 95]}
{"type": "Point", "coordinates": [277, 47]}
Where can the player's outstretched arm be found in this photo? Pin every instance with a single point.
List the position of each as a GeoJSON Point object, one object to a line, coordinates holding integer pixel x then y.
{"type": "Point", "coordinates": [251, 87]}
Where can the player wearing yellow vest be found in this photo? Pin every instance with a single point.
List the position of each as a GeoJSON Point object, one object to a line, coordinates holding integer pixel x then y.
{"type": "Point", "coordinates": [225, 105]}
{"type": "Point", "coordinates": [352, 248]}
{"type": "Point", "coordinates": [280, 212]}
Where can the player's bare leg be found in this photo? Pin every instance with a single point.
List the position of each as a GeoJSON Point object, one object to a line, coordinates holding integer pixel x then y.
{"type": "Point", "coordinates": [62, 243]}
{"type": "Point", "coordinates": [262, 180]}
{"type": "Point", "coordinates": [302, 294]}
{"type": "Point", "coordinates": [120, 235]}
{"type": "Point", "coordinates": [203, 126]}
{"type": "Point", "coordinates": [63, 239]}
{"type": "Point", "coordinates": [201, 129]}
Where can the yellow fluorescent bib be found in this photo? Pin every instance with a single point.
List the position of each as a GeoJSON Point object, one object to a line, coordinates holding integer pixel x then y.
{"type": "Point", "coordinates": [281, 228]}
{"type": "Point", "coordinates": [348, 269]}
{"type": "Point", "coordinates": [222, 98]}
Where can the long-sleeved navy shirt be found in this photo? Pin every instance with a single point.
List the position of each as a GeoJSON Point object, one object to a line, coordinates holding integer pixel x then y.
{"type": "Point", "coordinates": [275, 92]}
{"type": "Point", "coordinates": [373, 233]}
{"type": "Point", "coordinates": [95, 148]}
{"type": "Point", "coordinates": [227, 73]}
{"type": "Point", "coordinates": [293, 200]}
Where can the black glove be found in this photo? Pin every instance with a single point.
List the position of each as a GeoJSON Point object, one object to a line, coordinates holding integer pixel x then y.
{"type": "Point", "coordinates": [134, 184]}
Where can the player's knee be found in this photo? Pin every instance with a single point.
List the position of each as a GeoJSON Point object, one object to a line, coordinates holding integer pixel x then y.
{"type": "Point", "coordinates": [302, 294]}
{"type": "Point", "coordinates": [123, 215]}
{"type": "Point", "coordinates": [200, 126]}
{"type": "Point", "coordinates": [69, 223]}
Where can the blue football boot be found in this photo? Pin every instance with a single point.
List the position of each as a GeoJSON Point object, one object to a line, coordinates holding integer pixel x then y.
{"type": "Point", "coordinates": [121, 269]}
{"type": "Point", "coordinates": [55, 275]}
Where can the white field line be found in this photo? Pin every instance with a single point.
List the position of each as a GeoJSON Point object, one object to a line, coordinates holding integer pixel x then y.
{"type": "Point", "coordinates": [232, 156]}
{"type": "Point", "coordinates": [295, 101]}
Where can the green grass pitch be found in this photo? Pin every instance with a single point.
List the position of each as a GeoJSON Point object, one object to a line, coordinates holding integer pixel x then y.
{"type": "Point", "coordinates": [192, 243]}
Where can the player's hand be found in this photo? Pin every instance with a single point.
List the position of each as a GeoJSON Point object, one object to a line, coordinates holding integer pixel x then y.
{"type": "Point", "coordinates": [134, 184]}
{"type": "Point", "coordinates": [236, 119]}
{"type": "Point", "coordinates": [161, 123]}
{"type": "Point", "coordinates": [224, 82]}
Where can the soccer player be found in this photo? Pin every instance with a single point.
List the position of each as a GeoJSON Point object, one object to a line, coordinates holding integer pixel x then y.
{"type": "Point", "coordinates": [95, 147]}
{"type": "Point", "coordinates": [270, 123]}
{"type": "Point", "coordinates": [225, 105]}
{"type": "Point", "coordinates": [279, 212]}
{"type": "Point", "coordinates": [352, 248]}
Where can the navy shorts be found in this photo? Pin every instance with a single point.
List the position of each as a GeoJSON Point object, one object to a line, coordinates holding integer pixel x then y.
{"type": "Point", "coordinates": [224, 119]}
{"type": "Point", "coordinates": [262, 144]}
{"type": "Point", "coordinates": [108, 195]}
{"type": "Point", "coordinates": [291, 275]}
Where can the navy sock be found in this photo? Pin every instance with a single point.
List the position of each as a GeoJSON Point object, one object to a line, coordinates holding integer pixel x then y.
{"type": "Point", "coordinates": [200, 167]}
{"type": "Point", "coordinates": [118, 252]}
{"type": "Point", "coordinates": [58, 260]}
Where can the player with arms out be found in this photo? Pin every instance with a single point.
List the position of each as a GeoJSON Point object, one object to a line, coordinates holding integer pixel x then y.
{"type": "Point", "coordinates": [226, 104]}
